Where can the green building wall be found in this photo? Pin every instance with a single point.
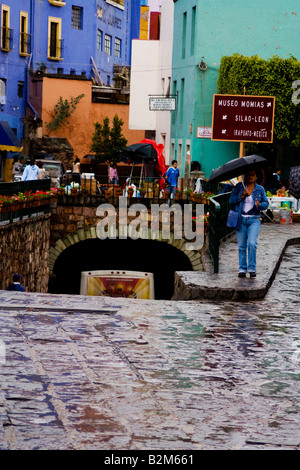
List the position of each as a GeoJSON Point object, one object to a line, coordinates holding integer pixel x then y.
{"type": "Point", "coordinates": [206, 31]}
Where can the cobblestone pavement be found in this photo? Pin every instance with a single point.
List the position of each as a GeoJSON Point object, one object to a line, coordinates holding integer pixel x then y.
{"type": "Point", "coordinates": [99, 373]}
{"type": "Point", "coordinates": [225, 285]}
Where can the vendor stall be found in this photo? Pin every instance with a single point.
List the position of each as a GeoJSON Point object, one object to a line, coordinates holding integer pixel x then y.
{"type": "Point", "coordinates": [283, 201]}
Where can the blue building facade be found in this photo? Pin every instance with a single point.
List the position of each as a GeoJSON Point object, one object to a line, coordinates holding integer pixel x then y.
{"type": "Point", "coordinates": [66, 37]}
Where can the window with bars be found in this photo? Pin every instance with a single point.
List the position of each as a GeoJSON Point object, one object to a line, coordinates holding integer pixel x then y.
{"type": "Point", "coordinates": [6, 31]}
{"type": "Point", "coordinates": [107, 44]}
{"type": "Point", "coordinates": [117, 47]}
{"type": "Point", "coordinates": [55, 43]}
{"type": "Point", "coordinates": [25, 38]}
{"type": "Point", "coordinates": [20, 89]}
{"type": "Point", "coordinates": [76, 17]}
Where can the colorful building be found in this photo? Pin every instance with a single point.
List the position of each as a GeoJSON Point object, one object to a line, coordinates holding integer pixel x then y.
{"type": "Point", "coordinates": [64, 39]}
{"type": "Point", "coordinates": [151, 71]}
{"type": "Point", "coordinates": [204, 34]}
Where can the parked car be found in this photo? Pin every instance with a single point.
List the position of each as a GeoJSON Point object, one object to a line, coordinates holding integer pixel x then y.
{"type": "Point", "coordinates": [54, 169]}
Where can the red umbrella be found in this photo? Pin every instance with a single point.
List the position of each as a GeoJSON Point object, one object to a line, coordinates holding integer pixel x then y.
{"type": "Point", "coordinates": [160, 164]}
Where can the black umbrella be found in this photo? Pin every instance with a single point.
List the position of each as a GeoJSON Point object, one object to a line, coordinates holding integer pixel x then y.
{"type": "Point", "coordinates": [91, 156]}
{"type": "Point", "coordinates": [44, 156]}
{"type": "Point", "coordinates": [237, 167]}
{"type": "Point", "coordinates": [138, 153]}
{"type": "Point", "coordinates": [294, 187]}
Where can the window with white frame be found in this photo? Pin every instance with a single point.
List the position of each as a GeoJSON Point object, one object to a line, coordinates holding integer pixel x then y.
{"type": "Point", "coordinates": [107, 44]}
{"type": "Point", "coordinates": [99, 40]}
{"type": "Point", "coordinates": [117, 47]}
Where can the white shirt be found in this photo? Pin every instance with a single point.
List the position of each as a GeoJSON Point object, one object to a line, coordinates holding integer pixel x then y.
{"type": "Point", "coordinates": [248, 204]}
{"type": "Point", "coordinates": [30, 173]}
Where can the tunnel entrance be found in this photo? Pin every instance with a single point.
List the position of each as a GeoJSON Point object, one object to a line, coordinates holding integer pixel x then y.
{"type": "Point", "coordinates": [153, 256]}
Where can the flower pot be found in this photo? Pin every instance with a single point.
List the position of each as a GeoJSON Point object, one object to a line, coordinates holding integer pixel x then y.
{"type": "Point", "coordinates": [178, 196]}
{"type": "Point", "coordinates": [74, 191]}
{"type": "Point", "coordinates": [61, 191]}
{"type": "Point", "coordinates": [130, 193]}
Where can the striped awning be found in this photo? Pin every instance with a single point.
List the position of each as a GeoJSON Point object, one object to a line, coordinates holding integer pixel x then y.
{"type": "Point", "coordinates": [8, 139]}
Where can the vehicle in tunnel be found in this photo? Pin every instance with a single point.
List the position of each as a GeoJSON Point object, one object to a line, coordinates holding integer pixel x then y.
{"type": "Point", "coordinates": [128, 284]}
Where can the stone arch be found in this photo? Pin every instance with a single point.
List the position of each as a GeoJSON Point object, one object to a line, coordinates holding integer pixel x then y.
{"type": "Point", "coordinates": [90, 233]}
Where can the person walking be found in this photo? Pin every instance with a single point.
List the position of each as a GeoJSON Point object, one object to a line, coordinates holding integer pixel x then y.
{"type": "Point", "coordinates": [31, 171]}
{"type": "Point", "coordinates": [249, 199]}
{"type": "Point", "coordinates": [16, 286]}
{"type": "Point", "coordinates": [172, 175]}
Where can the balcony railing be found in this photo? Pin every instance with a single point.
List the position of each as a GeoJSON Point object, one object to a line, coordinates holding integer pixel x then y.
{"type": "Point", "coordinates": [91, 191]}
{"type": "Point", "coordinates": [56, 50]}
{"type": "Point", "coordinates": [6, 39]}
{"type": "Point", "coordinates": [25, 43]}
{"type": "Point", "coordinates": [218, 230]}
{"type": "Point", "coordinates": [23, 200]}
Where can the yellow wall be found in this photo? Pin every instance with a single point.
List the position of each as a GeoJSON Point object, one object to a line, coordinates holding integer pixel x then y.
{"type": "Point", "coordinates": [79, 131]}
{"type": "Point", "coordinates": [144, 24]}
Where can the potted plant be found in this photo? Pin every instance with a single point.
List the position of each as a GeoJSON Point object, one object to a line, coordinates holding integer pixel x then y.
{"type": "Point", "coordinates": [178, 194]}
{"type": "Point", "coordinates": [197, 197]}
{"type": "Point", "coordinates": [84, 191]}
{"type": "Point", "coordinates": [119, 191]}
{"type": "Point", "coordinates": [61, 190]}
{"type": "Point", "coordinates": [188, 192]}
{"type": "Point", "coordinates": [130, 191]}
{"type": "Point", "coordinates": [74, 188]}
{"type": "Point", "coordinates": [142, 190]}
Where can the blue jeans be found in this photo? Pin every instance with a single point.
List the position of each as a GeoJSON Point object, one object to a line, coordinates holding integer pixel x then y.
{"type": "Point", "coordinates": [247, 241]}
{"type": "Point", "coordinates": [172, 191]}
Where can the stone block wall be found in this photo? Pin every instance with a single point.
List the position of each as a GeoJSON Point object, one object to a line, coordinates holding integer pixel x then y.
{"type": "Point", "coordinates": [71, 224]}
{"type": "Point", "coordinates": [24, 249]}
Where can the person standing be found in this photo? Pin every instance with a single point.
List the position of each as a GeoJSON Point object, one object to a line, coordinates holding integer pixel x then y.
{"type": "Point", "coordinates": [172, 175]}
{"type": "Point", "coordinates": [249, 199]}
{"type": "Point", "coordinates": [17, 168]}
{"type": "Point", "coordinates": [76, 170]}
{"type": "Point", "coordinates": [41, 173]}
{"type": "Point", "coordinates": [16, 286]}
{"type": "Point", "coordinates": [31, 171]}
{"type": "Point", "coordinates": [113, 174]}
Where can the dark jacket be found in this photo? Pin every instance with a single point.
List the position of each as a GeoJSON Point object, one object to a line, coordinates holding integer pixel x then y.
{"type": "Point", "coordinates": [16, 286]}
{"type": "Point", "coordinates": [257, 193]}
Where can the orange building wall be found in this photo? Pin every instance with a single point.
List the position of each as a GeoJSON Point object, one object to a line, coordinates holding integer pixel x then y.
{"type": "Point", "coordinates": [79, 131]}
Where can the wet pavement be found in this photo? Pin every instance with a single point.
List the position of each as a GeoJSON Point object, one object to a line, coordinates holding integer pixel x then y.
{"type": "Point", "coordinates": [114, 374]}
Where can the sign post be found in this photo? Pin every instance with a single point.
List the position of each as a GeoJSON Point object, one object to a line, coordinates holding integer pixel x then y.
{"type": "Point", "coordinates": [162, 103]}
{"type": "Point", "coordinates": [243, 118]}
